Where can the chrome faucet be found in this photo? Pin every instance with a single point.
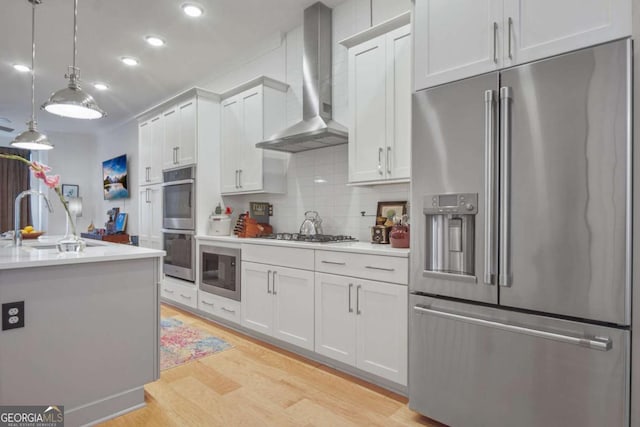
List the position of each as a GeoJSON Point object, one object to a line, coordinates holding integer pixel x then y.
{"type": "Point", "coordinates": [17, 235]}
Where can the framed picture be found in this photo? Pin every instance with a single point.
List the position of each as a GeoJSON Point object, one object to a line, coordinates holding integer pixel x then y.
{"type": "Point", "coordinates": [121, 222]}
{"type": "Point", "coordinates": [70, 191]}
{"type": "Point", "coordinates": [389, 209]}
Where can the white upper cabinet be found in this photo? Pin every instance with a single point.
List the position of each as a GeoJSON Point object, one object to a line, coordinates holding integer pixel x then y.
{"type": "Point", "coordinates": [454, 39]}
{"type": "Point", "coordinates": [251, 113]}
{"type": "Point", "coordinates": [380, 102]}
{"type": "Point", "coordinates": [150, 141]}
{"type": "Point", "coordinates": [536, 29]}
{"type": "Point", "coordinates": [180, 141]}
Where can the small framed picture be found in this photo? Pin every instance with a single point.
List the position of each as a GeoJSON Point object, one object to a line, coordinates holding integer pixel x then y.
{"type": "Point", "coordinates": [390, 209]}
{"type": "Point", "coordinates": [70, 191]}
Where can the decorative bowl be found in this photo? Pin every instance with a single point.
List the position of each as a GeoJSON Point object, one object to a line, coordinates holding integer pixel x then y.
{"type": "Point", "coordinates": [32, 235]}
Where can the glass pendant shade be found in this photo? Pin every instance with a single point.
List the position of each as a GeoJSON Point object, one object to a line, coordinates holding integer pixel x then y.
{"type": "Point", "coordinates": [72, 101]}
{"type": "Point", "coordinates": [31, 139]}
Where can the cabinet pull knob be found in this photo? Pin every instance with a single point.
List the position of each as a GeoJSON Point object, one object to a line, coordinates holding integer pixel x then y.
{"type": "Point", "coordinates": [495, 42]}
{"type": "Point", "coordinates": [273, 286]}
{"type": "Point", "coordinates": [228, 310]}
{"type": "Point", "coordinates": [334, 263]}
{"type": "Point", "coordinates": [185, 296]}
{"type": "Point", "coordinates": [371, 267]}
{"type": "Point", "coordinates": [510, 28]}
{"type": "Point", "coordinates": [389, 160]}
{"type": "Point", "coordinates": [207, 303]}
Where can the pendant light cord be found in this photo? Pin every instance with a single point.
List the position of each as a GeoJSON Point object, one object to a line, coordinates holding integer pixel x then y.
{"type": "Point", "coordinates": [33, 61]}
{"type": "Point", "coordinates": [75, 33]}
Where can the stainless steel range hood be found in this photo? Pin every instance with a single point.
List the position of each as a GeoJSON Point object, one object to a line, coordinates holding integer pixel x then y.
{"type": "Point", "coordinates": [317, 129]}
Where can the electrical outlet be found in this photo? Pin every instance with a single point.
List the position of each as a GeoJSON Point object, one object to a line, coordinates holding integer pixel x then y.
{"type": "Point", "coordinates": [12, 315]}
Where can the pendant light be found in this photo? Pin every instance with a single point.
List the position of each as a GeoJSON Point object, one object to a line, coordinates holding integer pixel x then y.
{"type": "Point", "coordinates": [31, 139]}
{"type": "Point", "coordinates": [72, 101]}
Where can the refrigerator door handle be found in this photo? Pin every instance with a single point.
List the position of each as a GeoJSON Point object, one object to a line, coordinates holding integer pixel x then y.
{"type": "Point", "coordinates": [506, 95]}
{"type": "Point", "coordinates": [489, 189]}
{"type": "Point", "coordinates": [594, 343]}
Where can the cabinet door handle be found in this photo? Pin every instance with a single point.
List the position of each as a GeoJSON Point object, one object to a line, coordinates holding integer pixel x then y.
{"type": "Point", "coordinates": [334, 263]}
{"type": "Point", "coordinates": [177, 155]}
{"type": "Point", "coordinates": [228, 310]}
{"type": "Point", "coordinates": [240, 178]}
{"type": "Point", "coordinates": [268, 277]}
{"type": "Point", "coordinates": [207, 303]}
{"type": "Point", "coordinates": [350, 308]}
{"type": "Point", "coordinates": [185, 296]}
{"type": "Point", "coordinates": [169, 291]}
{"type": "Point", "coordinates": [510, 30]}
{"type": "Point", "coordinates": [495, 42]}
{"type": "Point", "coordinates": [273, 283]}
{"type": "Point", "coordinates": [371, 267]}
{"type": "Point", "coordinates": [147, 173]}
{"type": "Point", "coordinates": [380, 170]}
{"type": "Point", "coordinates": [147, 198]}
{"type": "Point", "coordinates": [389, 160]}
{"type": "Point", "coordinates": [358, 299]}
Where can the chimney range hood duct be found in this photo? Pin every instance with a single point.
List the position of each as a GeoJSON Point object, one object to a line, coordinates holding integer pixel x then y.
{"type": "Point", "coordinates": [317, 129]}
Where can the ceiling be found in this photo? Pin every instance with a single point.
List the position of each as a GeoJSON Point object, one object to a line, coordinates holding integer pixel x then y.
{"type": "Point", "coordinates": [196, 48]}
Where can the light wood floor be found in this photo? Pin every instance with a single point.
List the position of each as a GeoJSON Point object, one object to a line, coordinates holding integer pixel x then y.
{"type": "Point", "coordinates": [256, 384]}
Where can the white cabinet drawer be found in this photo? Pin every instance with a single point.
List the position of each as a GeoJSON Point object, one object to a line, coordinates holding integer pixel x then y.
{"type": "Point", "coordinates": [183, 294]}
{"type": "Point", "coordinates": [219, 306]}
{"type": "Point", "coordinates": [282, 256]}
{"type": "Point", "coordinates": [374, 267]}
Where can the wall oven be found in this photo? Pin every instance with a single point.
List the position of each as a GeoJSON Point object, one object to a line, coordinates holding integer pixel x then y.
{"type": "Point", "coordinates": [180, 258]}
{"type": "Point", "coordinates": [220, 271]}
{"type": "Point", "coordinates": [179, 211]}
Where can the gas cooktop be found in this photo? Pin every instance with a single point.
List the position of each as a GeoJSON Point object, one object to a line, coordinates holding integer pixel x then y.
{"type": "Point", "coordinates": [315, 238]}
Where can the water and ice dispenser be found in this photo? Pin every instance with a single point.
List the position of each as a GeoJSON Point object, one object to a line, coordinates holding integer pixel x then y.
{"type": "Point", "coordinates": [450, 233]}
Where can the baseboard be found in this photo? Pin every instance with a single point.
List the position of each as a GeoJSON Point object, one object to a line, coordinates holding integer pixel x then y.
{"type": "Point", "coordinates": [104, 409]}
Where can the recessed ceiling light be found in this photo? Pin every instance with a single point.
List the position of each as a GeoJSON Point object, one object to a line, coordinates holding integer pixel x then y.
{"type": "Point", "coordinates": [129, 60]}
{"type": "Point", "coordinates": [192, 10]}
{"type": "Point", "coordinates": [154, 41]}
{"type": "Point", "coordinates": [21, 68]}
{"type": "Point", "coordinates": [100, 86]}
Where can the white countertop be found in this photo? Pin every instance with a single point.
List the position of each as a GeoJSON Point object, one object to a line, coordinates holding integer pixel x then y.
{"type": "Point", "coordinates": [353, 247]}
{"type": "Point", "coordinates": [42, 252]}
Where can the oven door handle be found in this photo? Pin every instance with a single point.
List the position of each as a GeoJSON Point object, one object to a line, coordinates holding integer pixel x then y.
{"type": "Point", "coordinates": [182, 181]}
{"type": "Point", "coordinates": [187, 232]}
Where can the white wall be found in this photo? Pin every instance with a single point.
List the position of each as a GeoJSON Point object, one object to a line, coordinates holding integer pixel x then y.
{"type": "Point", "coordinates": [74, 159]}
{"type": "Point", "coordinates": [122, 140]}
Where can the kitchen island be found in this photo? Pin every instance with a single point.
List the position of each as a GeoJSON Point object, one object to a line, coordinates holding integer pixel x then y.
{"type": "Point", "coordinates": [90, 339]}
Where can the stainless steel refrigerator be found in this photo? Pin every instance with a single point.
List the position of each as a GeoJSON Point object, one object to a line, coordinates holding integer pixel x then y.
{"type": "Point", "coordinates": [520, 280]}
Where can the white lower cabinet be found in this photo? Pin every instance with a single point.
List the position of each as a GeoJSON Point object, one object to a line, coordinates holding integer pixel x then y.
{"type": "Point", "coordinates": [278, 301]}
{"type": "Point", "coordinates": [181, 292]}
{"type": "Point", "coordinates": [362, 323]}
{"type": "Point", "coordinates": [219, 306]}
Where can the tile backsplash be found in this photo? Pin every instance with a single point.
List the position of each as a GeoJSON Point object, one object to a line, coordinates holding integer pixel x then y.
{"type": "Point", "coordinates": [317, 180]}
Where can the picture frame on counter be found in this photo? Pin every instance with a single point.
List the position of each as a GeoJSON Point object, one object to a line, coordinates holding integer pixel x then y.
{"type": "Point", "coordinates": [390, 209]}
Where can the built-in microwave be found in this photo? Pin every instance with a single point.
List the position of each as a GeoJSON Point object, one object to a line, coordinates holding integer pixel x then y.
{"type": "Point", "coordinates": [220, 271]}
{"type": "Point", "coordinates": [179, 207]}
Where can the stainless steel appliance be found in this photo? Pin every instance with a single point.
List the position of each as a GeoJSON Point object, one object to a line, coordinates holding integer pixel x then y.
{"type": "Point", "coordinates": [179, 208]}
{"type": "Point", "coordinates": [180, 258]}
{"type": "Point", "coordinates": [220, 271]}
{"type": "Point", "coordinates": [520, 304]}
{"type": "Point", "coordinates": [312, 224]}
